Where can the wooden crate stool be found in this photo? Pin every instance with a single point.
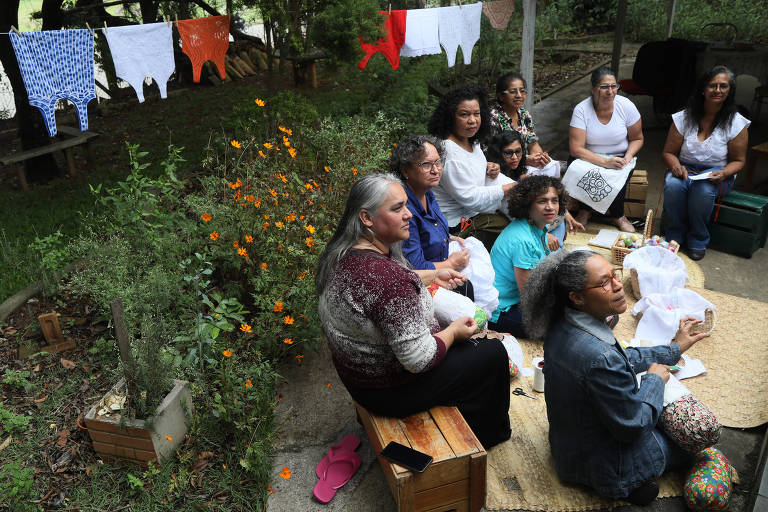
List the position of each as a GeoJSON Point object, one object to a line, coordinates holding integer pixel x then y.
{"type": "Point", "coordinates": [456, 478]}
{"type": "Point", "coordinates": [742, 224]}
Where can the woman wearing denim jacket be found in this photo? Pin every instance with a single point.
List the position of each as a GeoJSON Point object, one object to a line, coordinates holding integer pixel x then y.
{"type": "Point", "coordinates": [602, 423]}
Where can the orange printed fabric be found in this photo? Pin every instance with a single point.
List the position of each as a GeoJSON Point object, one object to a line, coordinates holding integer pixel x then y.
{"type": "Point", "coordinates": [390, 44]}
{"type": "Point", "coordinates": [205, 39]}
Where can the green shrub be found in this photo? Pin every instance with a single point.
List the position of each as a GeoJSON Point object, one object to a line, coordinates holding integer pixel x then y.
{"type": "Point", "coordinates": [16, 487]}
{"type": "Point", "coordinates": [12, 423]}
{"type": "Point", "coordinates": [17, 379]}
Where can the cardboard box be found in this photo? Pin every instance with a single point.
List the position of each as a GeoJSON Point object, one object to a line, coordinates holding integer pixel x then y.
{"type": "Point", "coordinates": [635, 209]}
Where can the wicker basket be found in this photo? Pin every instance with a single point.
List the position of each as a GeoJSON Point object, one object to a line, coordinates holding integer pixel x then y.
{"type": "Point", "coordinates": [618, 253]}
{"type": "Point", "coordinates": [635, 284]}
{"type": "Point", "coordinates": [708, 325]}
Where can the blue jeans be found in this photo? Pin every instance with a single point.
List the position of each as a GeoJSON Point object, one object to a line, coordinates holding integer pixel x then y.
{"type": "Point", "coordinates": [688, 206]}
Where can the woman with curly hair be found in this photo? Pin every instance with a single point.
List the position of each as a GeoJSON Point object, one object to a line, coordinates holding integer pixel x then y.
{"type": "Point", "coordinates": [462, 120]}
{"type": "Point", "coordinates": [709, 135]}
{"type": "Point", "coordinates": [535, 204]}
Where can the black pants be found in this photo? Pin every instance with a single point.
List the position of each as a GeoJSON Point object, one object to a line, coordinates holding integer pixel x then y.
{"type": "Point", "coordinates": [510, 321]}
{"type": "Point", "coordinates": [473, 376]}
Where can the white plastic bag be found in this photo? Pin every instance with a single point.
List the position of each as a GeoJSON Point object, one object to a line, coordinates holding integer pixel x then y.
{"type": "Point", "coordinates": [449, 306]}
{"type": "Point", "coordinates": [659, 270]}
{"type": "Point", "coordinates": [480, 272]}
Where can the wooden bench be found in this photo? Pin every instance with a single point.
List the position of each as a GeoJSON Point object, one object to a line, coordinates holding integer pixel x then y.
{"type": "Point", "coordinates": [456, 478]}
{"type": "Point", "coordinates": [74, 138]}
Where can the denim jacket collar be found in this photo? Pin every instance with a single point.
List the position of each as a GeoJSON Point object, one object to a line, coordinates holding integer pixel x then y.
{"type": "Point", "coordinates": [590, 324]}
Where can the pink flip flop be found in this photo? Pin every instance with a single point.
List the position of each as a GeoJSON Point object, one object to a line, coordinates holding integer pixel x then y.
{"type": "Point", "coordinates": [342, 465]}
{"type": "Point", "coordinates": [349, 444]}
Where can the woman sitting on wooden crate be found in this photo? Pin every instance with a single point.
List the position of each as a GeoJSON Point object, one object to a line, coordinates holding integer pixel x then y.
{"type": "Point", "coordinates": [709, 136]}
{"type": "Point", "coordinates": [603, 429]}
{"type": "Point", "coordinates": [378, 317]}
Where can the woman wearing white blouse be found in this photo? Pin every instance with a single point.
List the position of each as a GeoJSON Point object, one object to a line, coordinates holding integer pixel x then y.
{"type": "Point", "coordinates": [708, 136]}
{"type": "Point", "coordinates": [606, 130]}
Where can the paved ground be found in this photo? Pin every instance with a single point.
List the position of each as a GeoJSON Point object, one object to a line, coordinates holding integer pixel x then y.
{"type": "Point", "coordinates": [316, 412]}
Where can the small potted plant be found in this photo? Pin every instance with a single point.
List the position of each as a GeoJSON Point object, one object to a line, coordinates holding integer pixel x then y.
{"type": "Point", "coordinates": [145, 416]}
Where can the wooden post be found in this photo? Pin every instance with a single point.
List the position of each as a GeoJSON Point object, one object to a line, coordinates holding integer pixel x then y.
{"type": "Point", "coordinates": [618, 38]}
{"type": "Point", "coordinates": [526, 61]}
{"type": "Point", "coordinates": [70, 161]}
{"type": "Point", "coordinates": [124, 345]}
{"type": "Point", "coordinates": [671, 5]}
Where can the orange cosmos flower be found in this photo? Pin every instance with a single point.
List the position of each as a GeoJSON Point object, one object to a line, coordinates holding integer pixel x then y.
{"type": "Point", "coordinates": [309, 241]}
{"type": "Point", "coordinates": [250, 198]}
{"type": "Point", "coordinates": [310, 228]}
{"type": "Point", "coordinates": [326, 169]}
{"type": "Point", "coordinates": [248, 239]}
{"type": "Point", "coordinates": [227, 353]}
{"type": "Point", "coordinates": [279, 224]}
{"type": "Point", "coordinates": [302, 275]}
{"type": "Point", "coordinates": [286, 142]}
{"type": "Point", "coordinates": [278, 307]}
{"type": "Point", "coordinates": [257, 203]}
{"type": "Point", "coordinates": [263, 266]}
{"type": "Point", "coordinates": [206, 217]}
{"type": "Point", "coordinates": [288, 319]}
{"type": "Point", "coordinates": [266, 216]}
{"type": "Point", "coordinates": [282, 178]}
{"type": "Point", "coordinates": [235, 144]}
{"type": "Point", "coordinates": [261, 154]}
{"type": "Point", "coordinates": [301, 217]}
{"type": "Point", "coordinates": [168, 437]}
{"type": "Point", "coordinates": [292, 152]}
{"type": "Point", "coordinates": [288, 341]}
{"type": "Point", "coordinates": [236, 184]}
{"type": "Point", "coordinates": [235, 243]}
{"type": "Point", "coordinates": [285, 473]}
{"type": "Point", "coordinates": [265, 225]}
{"type": "Point", "coordinates": [260, 102]}
{"type": "Point", "coordinates": [268, 145]}
{"type": "Point", "coordinates": [299, 358]}
{"type": "Point", "coordinates": [308, 186]}
{"type": "Point", "coordinates": [246, 328]}
{"type": "Point", "coordinates": [248, 383]}
{"type": "Point", "coordinates": [273, 192]}
{"type": "Point", "coordinates": [214, 235]}
{"type": "Point", "coordinates": [354, 171]}
{"type": "Point", "coordinates": [243, 252]}
{"type": "Point", "coordinates": [290, 217]}
{"type": "Point", "coordinates": [269, 488]}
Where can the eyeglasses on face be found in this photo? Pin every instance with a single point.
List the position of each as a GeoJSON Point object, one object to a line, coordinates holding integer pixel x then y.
{"type": "Point", "coordinates": [427, 165]}
{"type": "Point", "coordinates": [509, 153]}
{"type": "Point", "coordinates": [606, 87]}
{"type": "Point", "coordinates": [715, 87]}
{"type": "Point", "coordinates": [515, 92]}
{"type": "Point", "coordinates": [617, 275]}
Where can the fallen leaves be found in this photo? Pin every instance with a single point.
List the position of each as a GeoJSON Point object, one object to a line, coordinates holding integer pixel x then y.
{"type": "Point", "coordinates": [63, 436]}
{"type": "Point", "coordinates": [6, 443]}
{"type": "Point", "coordinates": [66, 363]}
{"type": "Point", "coordinates": [41, 399]}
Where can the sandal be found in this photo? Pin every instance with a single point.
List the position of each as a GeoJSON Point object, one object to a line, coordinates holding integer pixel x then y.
{"type": "Point", "coordinates": [340, 468]}
{"type": "Point", "coordinates": [624, 225]}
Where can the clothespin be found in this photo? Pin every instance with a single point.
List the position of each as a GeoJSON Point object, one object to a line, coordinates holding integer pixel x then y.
{"type": "Point", "coordinates": [177, 18]}
{"type": "Point", "coordinates": [15, 30]}
{"type": "Point", "coordinates": [89, 28]}
{"type": "Point", "coordinates": [390, 8]}
{"type": "Point", "coordinates": [105, 27]}
{"type": "Point", "coordinates": [459, 3]}
{"type": "Point", "coordinates": [168, 20]}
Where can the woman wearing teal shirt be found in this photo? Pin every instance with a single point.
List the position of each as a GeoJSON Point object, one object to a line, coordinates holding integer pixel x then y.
{"type": "Point", "coordinates": [534, 204]}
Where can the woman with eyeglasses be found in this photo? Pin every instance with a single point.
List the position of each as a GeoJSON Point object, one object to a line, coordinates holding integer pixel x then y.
{"type": "Point", "coordinates": [606, 130]}
{"type": "Point", "coordinates": [602, 422]}
{"type": "Point", "coordinates": [417, 160]}
{"type": "Point", "coordinates": [378, 318]}
{"type": "Point", "coordinates": [507, 113]}
{"type": "Point", "coordinates": [709, 136]}
{"type": "Point", "coordinates": [534, 205]}
{"type": "Point", "coordinates": [461, 120]}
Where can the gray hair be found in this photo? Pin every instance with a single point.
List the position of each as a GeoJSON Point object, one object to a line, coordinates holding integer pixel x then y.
{"type": "Point", "coordinates": [409, 150]}
{"type": "Point", "coordinates": [599, 73]}
{"type": "Point", "coordinates": [545, 295]}
{"type": "Point", "coordinates": [368, 193]}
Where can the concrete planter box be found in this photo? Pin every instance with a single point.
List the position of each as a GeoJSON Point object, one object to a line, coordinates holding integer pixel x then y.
{"type": "Point", "coordinates": [135, 441]}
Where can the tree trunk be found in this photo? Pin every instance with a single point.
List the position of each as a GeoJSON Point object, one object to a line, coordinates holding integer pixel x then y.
{"type": "Point", "coordinates": [148, 11]}
{"type": "Point", "coordinates": [32, 131]}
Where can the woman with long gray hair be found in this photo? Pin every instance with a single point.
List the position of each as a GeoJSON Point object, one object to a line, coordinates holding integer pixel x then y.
{"type": "Point", "coordinates": [389, 351]}
{"type": "Point", "coordinates": [602, 423]}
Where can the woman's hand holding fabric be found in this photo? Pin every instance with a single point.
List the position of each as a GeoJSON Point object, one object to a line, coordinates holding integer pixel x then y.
{"type": "Point", "coordinates": [615, 162]}
{"type": "Point", "coordinates": [661, 370]}
{"type": "Point", "coordinates": [492, 170]}
{"type": "Point", "coordinates": [462, 242]}
{"type": "Point", "coordinates": [449, 279]}
{"type": "Point", "coordinates": [463, 328]}
{"type": "Point", "coordinates": [718, 177]}
{"type": "Point", "coordinates": [684, 337]}
{"type": "Point", "coordinates": [459, 259]}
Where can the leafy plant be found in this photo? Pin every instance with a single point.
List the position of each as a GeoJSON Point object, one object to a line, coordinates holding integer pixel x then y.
{"type": "Point", "coordinates": [16, 487]}
{"type": "Point", "coordinates": [51, 251]}
{"type": "Point", "coordinates": [17, 379]}
{"type": "Point", "coordinates": [12, 423]}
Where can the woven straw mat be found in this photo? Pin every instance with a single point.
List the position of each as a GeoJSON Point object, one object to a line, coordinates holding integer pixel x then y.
{"type": "Point", "coordinates": [521, 473]}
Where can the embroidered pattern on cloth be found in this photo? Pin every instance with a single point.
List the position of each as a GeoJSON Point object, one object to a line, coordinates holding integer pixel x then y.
{"type": "Point", "coordinates": [390, 44]}
{"type": "Point", "coordinates": [139, 51]}
{"type": "Point", "coordinates": [594, 185]}
{"type": "Point", "coordinates": [459, 26]}
{"type": "Point", "coordinates": [499, 12]}
{"type": "Point", "coordinates": [205, 39]}
{"type": "Point", "coordinates": [55, 65]}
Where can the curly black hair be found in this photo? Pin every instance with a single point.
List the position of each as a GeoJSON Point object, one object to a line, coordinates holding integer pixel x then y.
{"type": "Point", "coordinates": [497, 144]}
{"type": "Point", "coordinates": [444, 116]}
{"type": "Point", "coordinates": [411, 149]}
{"type": "Point", "coordinates": [526, 192]}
